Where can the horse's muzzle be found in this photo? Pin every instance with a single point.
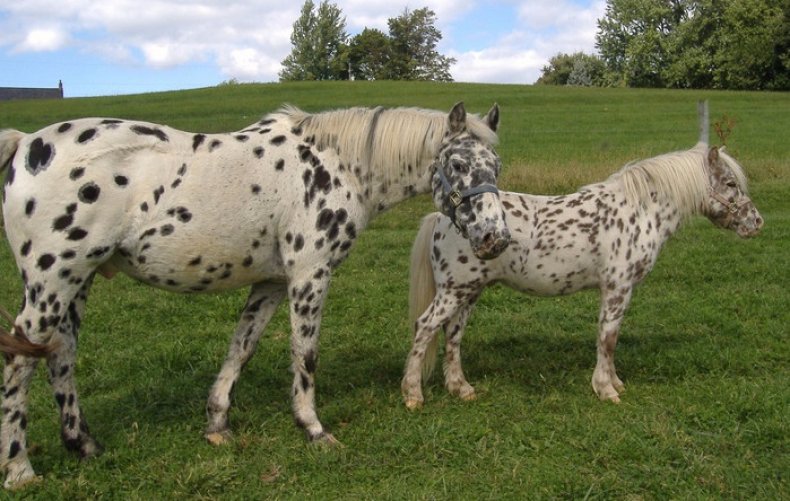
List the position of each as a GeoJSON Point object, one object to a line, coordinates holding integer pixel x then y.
{"type": "Point", "coordinates": [492, 244]}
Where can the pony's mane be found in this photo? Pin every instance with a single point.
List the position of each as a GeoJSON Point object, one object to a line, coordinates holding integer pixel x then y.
{"type": "Point", "coordinates": [383, 140]}
{"type": "Point", "coordinates": [680, 176]}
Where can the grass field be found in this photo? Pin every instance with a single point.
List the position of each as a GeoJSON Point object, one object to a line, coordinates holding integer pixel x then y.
{"type": "Point", "coordinates": [704, 351]}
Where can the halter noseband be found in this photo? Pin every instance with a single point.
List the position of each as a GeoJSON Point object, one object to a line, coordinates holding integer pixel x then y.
{"type": "Point", "coordinates": [456, 197]}
{"type": "Point", "coordinates": [732, 207]}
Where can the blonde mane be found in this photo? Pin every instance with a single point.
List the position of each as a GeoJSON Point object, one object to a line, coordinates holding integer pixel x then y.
{"type": "Point", "coordinates": [380, 140]}
{"type": "Point", "coordinates": [680, 176]}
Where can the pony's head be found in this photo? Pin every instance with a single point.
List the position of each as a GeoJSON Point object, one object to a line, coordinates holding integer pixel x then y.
{"type": "Point", "coordinates": [464, 182]}
{"type": "Point", "coordinates": [728, 204]}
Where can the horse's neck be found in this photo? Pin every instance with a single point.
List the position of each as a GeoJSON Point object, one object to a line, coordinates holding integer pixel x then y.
{"type": "Point", "coordinates": [388, 190]}
{"type": "Point", "coordinates": [381, 176]}
{"type": "Point", "coordinates": [663, 213]}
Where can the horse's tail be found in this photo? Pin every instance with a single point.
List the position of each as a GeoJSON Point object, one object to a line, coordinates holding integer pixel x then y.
{"type": "Point", "coordinates": [18, 343]}
{"type": "Point", "coordinates": [9, 142]}
{"type": "Point", "coordinates": [704, 123]}
{"type": "Point", "coordinates": [422, 286]}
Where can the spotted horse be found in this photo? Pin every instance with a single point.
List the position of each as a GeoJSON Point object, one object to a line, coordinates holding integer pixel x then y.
{"type": "Point", "coordinates": [607, 236]}
{"type": "Point", "coordinates": [275, 206]}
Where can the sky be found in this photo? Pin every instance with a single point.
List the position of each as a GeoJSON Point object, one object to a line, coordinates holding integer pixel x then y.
{"type": "Point", "coordinates": [116, 47]}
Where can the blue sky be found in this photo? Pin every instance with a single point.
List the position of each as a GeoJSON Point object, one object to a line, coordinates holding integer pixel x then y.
{"type": "Point", "coordinates": [118, 47]}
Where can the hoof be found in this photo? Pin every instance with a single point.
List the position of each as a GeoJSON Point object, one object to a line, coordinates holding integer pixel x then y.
{"type": "Point", "coordinates": [326, 440]}
{"type": "Point", "coordinates": [468, 397]}
{"type": "Point", "coordinates": [91, 449]}
{"type": "Point", "coordinates": [413, 404]}
{"type": "Point", "coordinates": [21, 481]}
{"type": "Point", "coordinates": [218, 438]}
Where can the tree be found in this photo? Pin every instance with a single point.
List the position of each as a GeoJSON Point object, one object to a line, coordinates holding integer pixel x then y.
{"type": "Point", "coordinates": [727, 44]}
{"type": "Point", "coordinates": [413, 39]}
{"type": "Point", "coordinates": [318, 39]}
{"type": "Point", "coordinates": [573, 69]}
{"type": "Point", "coordinates": [369, 55]}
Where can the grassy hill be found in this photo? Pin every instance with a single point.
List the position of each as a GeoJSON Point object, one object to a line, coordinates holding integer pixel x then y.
{"type": "Point", "coordinates": [703, 352]}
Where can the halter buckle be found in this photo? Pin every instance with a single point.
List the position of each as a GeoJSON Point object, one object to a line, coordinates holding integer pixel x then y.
{"type": "Point", "coordinates": [455, 198]}
{"type": "Point", "coordinates": [733, 208]}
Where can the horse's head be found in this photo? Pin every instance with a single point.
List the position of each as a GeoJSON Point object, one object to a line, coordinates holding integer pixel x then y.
{"type": "Point", "coordinates": [727, 203]}
{"type": "Point", "coordinates": [464, 184]}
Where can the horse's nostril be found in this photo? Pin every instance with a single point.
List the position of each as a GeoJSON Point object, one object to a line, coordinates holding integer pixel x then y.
{"type": "Point", "coordinates": [759, 222]}
{"type": "Point", "coordinates": [489, 240]}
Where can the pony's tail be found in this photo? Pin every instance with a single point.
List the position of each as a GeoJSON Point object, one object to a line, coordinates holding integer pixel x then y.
{"type": "Point", "coordinates": [18, 343]}
{"type": "Point", "coordinates": [422, 286]}
{"type": "Point", "coordinates": [9, 142]}
{"type": "Point", "coordinates": [704, 122]}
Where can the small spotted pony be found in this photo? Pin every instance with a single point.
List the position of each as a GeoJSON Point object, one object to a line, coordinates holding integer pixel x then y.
{"type": "Point", "coordinates": [276, 206]}
{"type": "Point", "coordinates": [607, 235]}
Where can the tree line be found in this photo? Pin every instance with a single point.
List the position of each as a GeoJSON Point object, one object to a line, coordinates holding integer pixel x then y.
{"type": "Point", "coordinates": [322, 50]}
{"type": "Point", "coordinates": [700, 44]}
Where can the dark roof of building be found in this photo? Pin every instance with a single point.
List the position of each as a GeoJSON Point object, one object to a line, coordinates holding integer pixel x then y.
{"type": "Point", "coordinates": [9, 93]}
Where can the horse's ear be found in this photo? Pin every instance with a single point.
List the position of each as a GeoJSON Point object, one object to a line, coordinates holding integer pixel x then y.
{"type": "Point", "coordinates": [713, 155]}
{"type": "Point", "coordinates": [457, 118]}
{"type": "Point", "coordinates": [492, 118]}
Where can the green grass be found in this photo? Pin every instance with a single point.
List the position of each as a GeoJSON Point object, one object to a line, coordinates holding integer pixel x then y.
{"type": "Point", "coordinates": [703, 353]}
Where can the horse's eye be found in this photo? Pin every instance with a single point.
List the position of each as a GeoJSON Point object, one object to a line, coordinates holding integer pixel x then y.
{"type": "Point", "coordinates": [732, 184]}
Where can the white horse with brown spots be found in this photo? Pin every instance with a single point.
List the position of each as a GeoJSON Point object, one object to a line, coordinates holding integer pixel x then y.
{"type": "Point", "coordinates": [607, 236]}
{"type": "Point", "coordinates": [275, 206]}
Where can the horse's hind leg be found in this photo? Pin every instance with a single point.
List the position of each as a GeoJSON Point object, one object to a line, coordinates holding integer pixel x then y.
{"type": "Point", "coordinates": [443, 306]}
{"type": "Point", "coordinates": [61, 364]}
{"type": "Point", "coordinates": [454, 378]}
{"type": "Point", "coordinates": [17, 375]}
{"type": "Point", "coordinates": [261, 305]}
{"type": "Point", "coordinates": [43, 319]}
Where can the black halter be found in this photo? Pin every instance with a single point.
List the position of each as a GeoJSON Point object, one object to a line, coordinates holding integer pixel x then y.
{"type": "Point", "coordinates": [456, 198]}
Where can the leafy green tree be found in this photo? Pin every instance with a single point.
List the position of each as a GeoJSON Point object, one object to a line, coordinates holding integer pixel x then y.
{"type": "Point", "coordinates": [318, 39]}
{"type": "Point", "coordinates": [413, 40]}
{"type": "Point", "coordinates": [369, 55]}
{"type": "Point", "coordinates": [753, 45]}
{"type": "Point", "coordinates": [578, 69]}
{"type": "Point", "coordinates": [727, 44]}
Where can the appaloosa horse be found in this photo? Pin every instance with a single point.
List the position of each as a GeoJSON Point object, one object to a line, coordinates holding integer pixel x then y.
{"type": "Point", "coordinates": [276, 206]}
{"type": "Point", "coordinates": [607, 235]}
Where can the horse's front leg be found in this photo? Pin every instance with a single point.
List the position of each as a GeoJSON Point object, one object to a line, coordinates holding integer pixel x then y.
{"type": "Point", "coordinates": [306, 295]}
{"type": "Point", "coordinates": [454, 378]}
{"type": "Point", "coordinates": [614, 303]}
{"type": "Point", "coordinates": [261, 305]}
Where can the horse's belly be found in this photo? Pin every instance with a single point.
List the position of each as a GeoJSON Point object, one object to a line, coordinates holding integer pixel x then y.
{"type": "Point", "coordinates": [196, 267]}
{"type": "Point", "coordinates": [553, 273]}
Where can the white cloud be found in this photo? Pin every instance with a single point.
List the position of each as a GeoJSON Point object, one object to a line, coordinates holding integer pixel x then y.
{"type": "Point", "coordinates": [249, 64]}
{"type": "Point", "coordinates": [247, 40]}
{"type": "Point", "coordinates": [545, 28]}
{"type": "Point", "coordinates": [42, 39]}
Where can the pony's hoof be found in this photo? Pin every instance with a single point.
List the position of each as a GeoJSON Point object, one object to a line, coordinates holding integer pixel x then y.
{"type": "Point", "coordinates": [413, 404]}
{"type": "Point", "coordinates": [14, 484]}
{"type": "Point", "coordinates": [218, 438]}
{"type": "Point", "coordinates": [468, 397]}
{"type": "Point", "coordinates": [327, 440]}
